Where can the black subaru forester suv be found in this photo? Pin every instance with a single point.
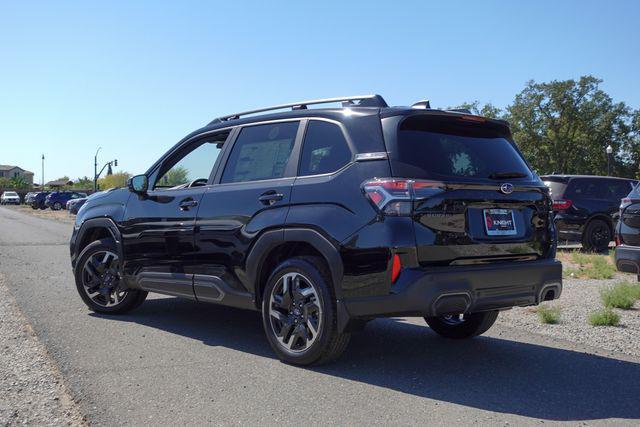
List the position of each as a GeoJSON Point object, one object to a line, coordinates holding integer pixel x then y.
{"type": "Point", "coordinates": [325, 218]}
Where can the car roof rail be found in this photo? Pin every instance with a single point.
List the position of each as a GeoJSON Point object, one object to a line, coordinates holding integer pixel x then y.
{"type": "Point", "coordinates": [347, 101]}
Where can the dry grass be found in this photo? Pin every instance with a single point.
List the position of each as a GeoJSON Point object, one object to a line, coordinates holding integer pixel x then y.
{"type": "Point", "coordinates": [61, 215]}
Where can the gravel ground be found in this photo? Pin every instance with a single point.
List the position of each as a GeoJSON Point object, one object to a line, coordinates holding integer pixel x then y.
{"type": "Point", "coordinates": [32, 391]}
{"type": "Point", "coordinates": [579, 298]}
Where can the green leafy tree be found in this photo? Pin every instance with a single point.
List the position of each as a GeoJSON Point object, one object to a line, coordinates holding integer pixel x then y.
{"type": "Point", "coordinates": [5, 182]}
{"type": "Point", "coordinates": [83, 183]}
{"type": "Point", "coordinates": [114, 180]}
{"type": "Point", "coordinates": [18, 182]}
{"type": "Point", "coordinates": [175, 176]}
{"type": "Point", "coordinates": [564, 126]}
{"type": "Point", "coordinates": [486, 110]}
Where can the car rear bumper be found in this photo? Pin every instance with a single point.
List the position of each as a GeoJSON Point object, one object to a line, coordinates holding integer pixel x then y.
{"type": "Point", "coordinates": [456, 289]}
{"type": "Point", "coordinates": [628, 259]}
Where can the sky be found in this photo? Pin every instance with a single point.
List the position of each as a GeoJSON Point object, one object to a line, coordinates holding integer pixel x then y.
{"type": "Point", "coordinates": [136, 77]}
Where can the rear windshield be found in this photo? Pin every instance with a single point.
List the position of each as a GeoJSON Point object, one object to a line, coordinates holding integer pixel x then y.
{"type": "Point", "coordinates": [453, 150]}
{"type": "Point", "coordinates": [10, 193]}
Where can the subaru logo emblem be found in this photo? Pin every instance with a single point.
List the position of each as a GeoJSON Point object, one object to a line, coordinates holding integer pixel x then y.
{"type": "Point", "coordinates": [506, 188]}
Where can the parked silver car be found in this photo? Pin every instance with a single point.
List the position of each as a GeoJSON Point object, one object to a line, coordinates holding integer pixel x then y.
{"type": "Point", "coordinates": [10, 198]}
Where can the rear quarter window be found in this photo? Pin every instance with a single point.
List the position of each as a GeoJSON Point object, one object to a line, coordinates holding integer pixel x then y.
{"type": "Point", "coordinates": [325, 149]}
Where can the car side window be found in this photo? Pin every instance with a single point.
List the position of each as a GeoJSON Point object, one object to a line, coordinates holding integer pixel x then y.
{"type": "Point", "coordinates": [324, 150]}
{"type": "Point", "coordinates": [619, 189]}
{"type": "Point", "coordinates": [261, 152]}
{"type": "Point", "coordinates": [589, 188]}
{"type": "Point", "coordinates": [195, 163]}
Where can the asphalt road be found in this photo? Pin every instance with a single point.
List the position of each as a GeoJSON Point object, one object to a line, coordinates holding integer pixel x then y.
{"type": "Point", "coordinates": [182, 363]}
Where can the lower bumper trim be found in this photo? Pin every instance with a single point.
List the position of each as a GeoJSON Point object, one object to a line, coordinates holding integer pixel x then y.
{"type": "Point", "coordinates": [449, 290]}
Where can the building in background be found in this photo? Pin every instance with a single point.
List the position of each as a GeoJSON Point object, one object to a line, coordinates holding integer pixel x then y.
{"type": "Point", "coordinates": [8, 171]}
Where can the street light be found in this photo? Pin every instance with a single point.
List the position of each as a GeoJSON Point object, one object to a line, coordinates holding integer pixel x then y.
{"type": "Point", "coordinates": [609, 150]}
{"type": "Point", "coordinates": [95, 170]}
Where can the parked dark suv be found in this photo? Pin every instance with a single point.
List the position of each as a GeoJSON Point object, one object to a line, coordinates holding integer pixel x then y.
{"type": "Point", "coordinates": [37, 201]}
{"type": "Point", "coordinates": [323, 219]}
{"type": "Point", "coordinates": [587, 207]}
{"type": "Point", "coordinates": [58, 199]}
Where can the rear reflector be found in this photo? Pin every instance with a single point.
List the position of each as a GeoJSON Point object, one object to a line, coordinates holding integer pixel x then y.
{"type": "Point", "coordinates": [395, 270]}
{"type": "Point", "coordinates": [561, 204]}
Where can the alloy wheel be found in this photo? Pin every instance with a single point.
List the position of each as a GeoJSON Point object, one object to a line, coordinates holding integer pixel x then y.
{"type": "Point", "coordinates": [295, 312]}
{"type": "Point", "coordinates": [101, 279]}
{"type": "Point", "coordinates": [600, 236]}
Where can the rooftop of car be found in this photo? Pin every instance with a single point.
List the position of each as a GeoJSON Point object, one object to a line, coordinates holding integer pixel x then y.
{"type": "Point", "coordinates": [352, 106]}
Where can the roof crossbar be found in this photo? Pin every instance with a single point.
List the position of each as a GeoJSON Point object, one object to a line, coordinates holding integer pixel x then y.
{"type": "Point", "coordinates": [347, 101]}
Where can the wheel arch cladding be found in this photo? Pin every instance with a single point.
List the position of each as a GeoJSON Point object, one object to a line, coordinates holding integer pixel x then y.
{"type": "Point", "coordinates": [277, 245]}
{"type": "Point", "coordinates": [98, 228]}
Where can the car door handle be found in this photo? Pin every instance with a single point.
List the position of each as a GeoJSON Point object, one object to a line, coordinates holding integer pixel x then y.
{"type": "Point", "coordinates": [187, 204]}
{"type": "Point", "coordinates": [270, 197]}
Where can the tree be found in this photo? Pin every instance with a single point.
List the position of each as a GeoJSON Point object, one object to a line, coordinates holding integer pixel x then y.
{"type": "Point", "coordinates": [486, 110]}
{"type": "Point", "coordinates": [114, 180]}
{"type": "Point", "coordinates": [175, 176]}
{"type": "Point", "coordinates": [564, 127]}
{"type": "Point", "coordinates": [18, 182]}
{"type": "Point", "coordinates": [83, 183]}
{"type": "Point", "coordinates": [5, 183]}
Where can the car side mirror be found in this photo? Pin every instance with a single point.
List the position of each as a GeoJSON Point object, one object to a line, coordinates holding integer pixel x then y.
{"type": "Point", "coordinates": [138, 184]}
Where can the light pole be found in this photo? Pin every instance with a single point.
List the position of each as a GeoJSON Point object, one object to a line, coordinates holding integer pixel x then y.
{"type": "Point", "coordinates": [95, 170]}
{"type": "Point", "coordinates": [609, 150]}
{"type": "Point", "coordinates": [42, 176]}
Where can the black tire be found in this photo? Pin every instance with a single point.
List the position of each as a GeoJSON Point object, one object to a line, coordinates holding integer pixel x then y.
{"type": "Point", "coordinates": [56, 206]}
{"type": "Point", "coordinates": [132, 297]}
{"type": "Point", "coordinates": [327, 345]}
{"type": "Point", "coordinates": [596, 236]}
{"type": "Point", "coordinates": [471, 325]}
{"type": "Point", "coordinates": [34, 207]}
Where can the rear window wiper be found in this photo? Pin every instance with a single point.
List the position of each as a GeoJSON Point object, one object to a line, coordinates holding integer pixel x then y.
{"type": "Point", "coordinates": [505, 175]}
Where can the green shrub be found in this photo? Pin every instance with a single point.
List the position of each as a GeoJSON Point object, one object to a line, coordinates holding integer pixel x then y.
{"type": "Point", "coordinates": [600, 268]}
{"type": "Point", "coordinates": [606, 317]}
{"type": "Point", "coordinates": [622, 295]}
{"type": "Point", "coordinates": [591, 266]}
{"type": "Point", "coordinates": [549, 314]}
{"type": "Point", "coordinates": [580, 258]}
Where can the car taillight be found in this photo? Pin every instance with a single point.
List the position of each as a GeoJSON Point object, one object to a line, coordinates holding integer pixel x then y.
{"type": "Point", "coordinates": [395, 269]}
{"type": "Point", "coordinates": [561, 204]}
{"type": "Point", "coordinates": [625, 202]}
{"type": "Point", "coordinates": [394, 196]}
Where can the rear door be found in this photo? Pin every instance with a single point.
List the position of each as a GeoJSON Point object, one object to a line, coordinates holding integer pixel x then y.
{"type": "Point", "coordinates": [476, 200]}
{"type": "Point", "coordinates": [251, 193]}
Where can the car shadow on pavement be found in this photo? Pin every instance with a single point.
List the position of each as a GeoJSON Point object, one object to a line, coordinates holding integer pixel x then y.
{"type": "Point", "coordinates": [487, 373]}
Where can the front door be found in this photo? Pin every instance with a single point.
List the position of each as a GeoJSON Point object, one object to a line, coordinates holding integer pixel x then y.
{"type": "Point", "coordinates": [158, 228]}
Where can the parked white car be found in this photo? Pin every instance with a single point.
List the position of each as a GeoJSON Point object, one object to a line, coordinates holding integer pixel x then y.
{"type": "Point", "coordinates": [10, 198]}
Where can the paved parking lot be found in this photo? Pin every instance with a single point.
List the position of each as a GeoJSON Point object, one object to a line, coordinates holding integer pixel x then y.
{"type": "Point", "coordinates": [178, 362]}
